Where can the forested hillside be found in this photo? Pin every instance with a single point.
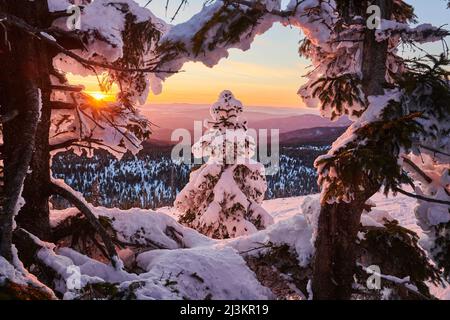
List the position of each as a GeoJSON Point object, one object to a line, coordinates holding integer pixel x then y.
{"type": "Point", "coordinates": [152, 180]}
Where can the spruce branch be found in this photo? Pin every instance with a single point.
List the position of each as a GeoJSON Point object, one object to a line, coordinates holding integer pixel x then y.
{"type": "Point", "coordinates": [9, 116]}
{"type": "Point", "coordinates": [402, 283]}
{"type": "Point", "coordinates": [435, 150]}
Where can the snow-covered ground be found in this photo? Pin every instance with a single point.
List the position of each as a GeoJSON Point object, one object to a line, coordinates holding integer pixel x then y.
{"type": "Point", "coordinates": [400, 207]}
{"type": "Point", "coordinates": [194, 266]}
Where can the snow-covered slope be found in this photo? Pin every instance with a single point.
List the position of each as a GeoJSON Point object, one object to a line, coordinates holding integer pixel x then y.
{"type": "Point", "coordinates": [399, 207]}
{"type": "Point", "coordinates": [193, 266]}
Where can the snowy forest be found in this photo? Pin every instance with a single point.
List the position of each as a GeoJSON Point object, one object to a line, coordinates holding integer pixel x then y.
{"type": "Point", "coordinates": [91, 208]}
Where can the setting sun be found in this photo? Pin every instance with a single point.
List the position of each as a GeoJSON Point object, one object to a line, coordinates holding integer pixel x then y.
{"type": "Point", "coordinates": [98, 95]}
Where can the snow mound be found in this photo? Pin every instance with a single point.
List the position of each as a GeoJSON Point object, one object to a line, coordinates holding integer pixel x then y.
{"type": "Point", "coordinates": [143, 226]}
{"type": "Point", "coordinates": [294, 232]}
{"type": "Point", "coordinates": [190, 265]}
{"type": "Point", "coordinates": [215, 272]}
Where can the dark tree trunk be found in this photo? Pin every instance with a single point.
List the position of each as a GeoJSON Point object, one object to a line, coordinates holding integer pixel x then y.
{"type": "Point", "coordinates": [34, 216]}
{"type": "Point", "coordinates": [339, 223]}
{"type": "Point", "coordinates": [24, 85]}
{"type": "Point", "coordinates": [335, 254]}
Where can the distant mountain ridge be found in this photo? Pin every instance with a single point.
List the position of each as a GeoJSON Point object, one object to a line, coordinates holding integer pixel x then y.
{"type": "Point", "coordinates": [320, 135]}
{"type": "Point", "coordinates": [300, 122]}
{"type": "Point", "coordinates": [167, 118]}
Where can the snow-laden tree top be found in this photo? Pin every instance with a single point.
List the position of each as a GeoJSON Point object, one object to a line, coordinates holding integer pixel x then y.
{"type": "Point", "coordinates": [226, 141]}
{"type": "Point", "coordinates": [226, 112]}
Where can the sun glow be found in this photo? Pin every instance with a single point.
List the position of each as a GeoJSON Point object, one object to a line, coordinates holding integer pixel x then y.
{"type": "Point", "coordinates": [99, 96]}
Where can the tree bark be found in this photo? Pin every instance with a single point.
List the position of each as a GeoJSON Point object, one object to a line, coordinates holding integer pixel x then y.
{"type": "Point", "coordinates": [34, 215]}
{"type": "Point", "coordinates": [22, 86]}
{"type": "Point", "coordinates": [335, 259]}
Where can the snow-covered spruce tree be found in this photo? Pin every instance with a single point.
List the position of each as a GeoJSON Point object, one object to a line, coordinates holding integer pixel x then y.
{"type": "Point", "coordinates": [43, 113]}
{"type": "Point", "coordinates": [223, 197]}
{"type": "Point", "coordinates": [396, 105]}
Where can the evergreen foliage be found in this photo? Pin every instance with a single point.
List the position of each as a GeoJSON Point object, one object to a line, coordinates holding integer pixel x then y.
{"type": "Point", "coordinates": [223, 197]}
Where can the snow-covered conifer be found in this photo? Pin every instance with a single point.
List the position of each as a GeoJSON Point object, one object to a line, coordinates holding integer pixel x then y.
{"type": "Point", "coordinates": [223, 197]}
{"type": "Point", "coordinates": [400, 108]}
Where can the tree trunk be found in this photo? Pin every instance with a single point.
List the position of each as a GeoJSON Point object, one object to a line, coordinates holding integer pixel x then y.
{"type": "Point", "coordinates": [24, 83]}
{"type": "Point", "coordinates": [34, 216]}
{"type": "Point", "coordinates": [335, 258]}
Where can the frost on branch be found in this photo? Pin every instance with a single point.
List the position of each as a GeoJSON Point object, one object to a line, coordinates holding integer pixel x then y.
{"type": "Point", "coordinates": [223, 197]}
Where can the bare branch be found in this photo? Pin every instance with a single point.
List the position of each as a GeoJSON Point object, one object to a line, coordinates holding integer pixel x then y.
{"type": "Point", "coordinates": [72, 142]}
{"type": "Point", "coordinates": [250, 4]}
{"type": "Point", "coordinates": [69, 194]}
{"type": "Point", "coordinates": [434, 150]}
{"type": "Point", "coordinates": [61, 105]}
{"type": "Point", "coordinates": [68, 88]}
{"type": "Point", "coordinates": [416, 196]}
{"type": "Point", "coordinates": [417, 169]}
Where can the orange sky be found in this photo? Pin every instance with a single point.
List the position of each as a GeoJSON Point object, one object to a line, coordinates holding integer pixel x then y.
{"type": "Point", "coordinates": [269, 74]}
{"type": "Point", "coordinates": [253, 84]}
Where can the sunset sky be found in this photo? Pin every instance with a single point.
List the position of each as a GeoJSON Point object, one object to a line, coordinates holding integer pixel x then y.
{"type": "Point", "coordinates": [269, 74]}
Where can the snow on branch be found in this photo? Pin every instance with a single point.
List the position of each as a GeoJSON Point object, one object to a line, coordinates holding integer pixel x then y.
{"type": "Point", "coordinates": [218, 27]}
{"type": "Point", "coordinates": [51, 41]}
{"type": "Point", "coordinates": [63, 190]}
{"type": "Point", "coordinates": [423, 33]}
